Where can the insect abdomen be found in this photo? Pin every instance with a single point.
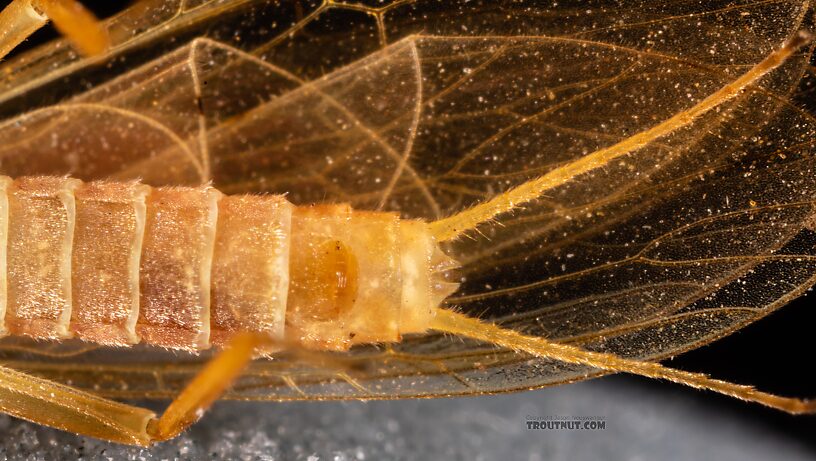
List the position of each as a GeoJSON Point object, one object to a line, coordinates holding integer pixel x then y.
{"type": "Point", "coordinates": [185, 268]}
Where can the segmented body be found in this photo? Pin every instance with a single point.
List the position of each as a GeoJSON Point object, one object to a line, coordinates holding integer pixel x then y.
{"type": "Point", "coordinates": [185, 268]}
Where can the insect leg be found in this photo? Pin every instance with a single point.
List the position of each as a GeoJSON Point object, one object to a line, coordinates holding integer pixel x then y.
{"type": "Point", "coordinates": [18, 21]}
{"type": "Point", "coordinates": [76, 23]}
{"type": "Point", "coordinates": [460, 324]}
{"type": "Point", "coordinates": [454, 226]}
{"type": "Point", "coordinates": [21, 18]}
{"type": "Point", "coordinates": [217, 375]}
{"type": "Point", "coordinates": [206, 387]}
{"type": "Point", "coordinates": [52, 404]}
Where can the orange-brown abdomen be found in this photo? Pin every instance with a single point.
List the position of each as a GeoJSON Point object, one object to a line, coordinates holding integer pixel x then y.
{"type": "Point", "coordinates": [186, 268]}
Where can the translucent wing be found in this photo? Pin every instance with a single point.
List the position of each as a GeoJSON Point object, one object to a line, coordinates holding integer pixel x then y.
{"type": "Point", "coordinates": [427, 108]}
{"type": "Point", "coordinates": [53, 71]}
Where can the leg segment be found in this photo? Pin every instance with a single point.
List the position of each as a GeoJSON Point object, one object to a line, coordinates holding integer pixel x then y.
{"type": "Point", "coordinates": [205, 388]}
{"type": "Point", "coordinates": [17, 22]}
{"type": "Point", "coordinates": [459, 324]}
{"type": "Point", "coordinates": [21, 18]}
{"type": "Point", "coordinates": [51, 404]}
{"type": "Point", "coordinates": [77, 24]}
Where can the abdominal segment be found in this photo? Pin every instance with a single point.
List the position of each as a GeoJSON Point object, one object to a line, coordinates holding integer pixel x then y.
{"type": "Point", "coordinates": [117, 263]}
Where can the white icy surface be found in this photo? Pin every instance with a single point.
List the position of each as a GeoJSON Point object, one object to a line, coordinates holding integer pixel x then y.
{"type": "Point", "coordinates": [642, 422]}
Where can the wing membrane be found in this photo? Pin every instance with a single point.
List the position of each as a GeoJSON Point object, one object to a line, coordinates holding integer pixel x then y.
{"type": "Point", "coordinates": [427, 108]}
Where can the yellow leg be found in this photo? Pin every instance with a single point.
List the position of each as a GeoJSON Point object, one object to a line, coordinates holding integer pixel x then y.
{"type": "Point", "coordinates": [205, 388]}
{"type": "Point", "coordinates": [51, 404]}
{"type": "Point", "coordinates": [21, 18]}
{"type": "Point", "coordinates": [460, 324]}
{"type": "Point", "coordinates": [454, 226]}
{"type": "Point", "coordinates": [17, 22]}
{"type": "Point", "coordinates": [63, 407]}
{"type": "Point", "coordinates": [77, 24]}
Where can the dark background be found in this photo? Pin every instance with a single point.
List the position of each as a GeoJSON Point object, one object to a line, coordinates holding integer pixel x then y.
{"type": "Point", "coordinates": [775, 354]}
